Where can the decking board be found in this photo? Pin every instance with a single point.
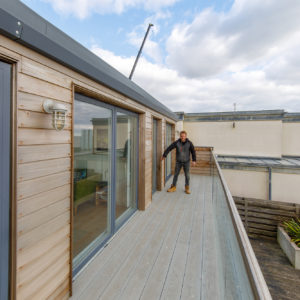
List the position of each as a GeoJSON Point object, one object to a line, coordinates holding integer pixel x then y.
{"type": "Point", "coordinates": [158, 254]}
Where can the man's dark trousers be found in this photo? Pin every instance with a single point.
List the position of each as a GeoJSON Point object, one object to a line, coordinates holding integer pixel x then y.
{"type": "Point", "coordinates": [186, 169]}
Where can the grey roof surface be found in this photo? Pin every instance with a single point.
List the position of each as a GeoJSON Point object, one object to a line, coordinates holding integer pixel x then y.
{"type": "Point", "coordinates": [284, 162]}
{"type": "Point", "coordinates": [38, 34]}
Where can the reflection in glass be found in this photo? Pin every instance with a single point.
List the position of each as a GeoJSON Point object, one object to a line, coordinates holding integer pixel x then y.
{"type": "Point", "coordinates": [126, 147]}
{"type": "Point", "coordinates": [92, 173]}
{"type": "Point", "coordinates": [169, 157]}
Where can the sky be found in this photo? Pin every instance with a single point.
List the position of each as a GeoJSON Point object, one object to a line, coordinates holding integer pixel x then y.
{"type": "Point", "coordinates": [200, 55]}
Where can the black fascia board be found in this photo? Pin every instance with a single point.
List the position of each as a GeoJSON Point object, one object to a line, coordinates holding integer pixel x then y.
{"type": "Point", "coordinates": [40, 43]}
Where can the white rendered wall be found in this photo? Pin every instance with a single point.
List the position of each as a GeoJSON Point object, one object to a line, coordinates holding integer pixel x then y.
{"type": "Point", "coordinates": [291, 139]}
{"type": "Point", "coordinates": [286, 187]}
{"type": "Point", "coordinates": [248, 138]}
{"type": "Point", "coordinates": [250, 184]}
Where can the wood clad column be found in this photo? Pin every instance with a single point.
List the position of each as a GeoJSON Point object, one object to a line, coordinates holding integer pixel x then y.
{"type": "Point", "coordinates": [142, 162]}
{"type": "Point", "coordinates": [160, 163]}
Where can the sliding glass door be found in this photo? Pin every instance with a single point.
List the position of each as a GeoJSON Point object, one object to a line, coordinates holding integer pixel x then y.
{"type": "Point", "coordinates": [92, 178]}
{"type": "Point", "coordinates": [126, 164]}
{"type": "Point", "coordinates": [105, 174]}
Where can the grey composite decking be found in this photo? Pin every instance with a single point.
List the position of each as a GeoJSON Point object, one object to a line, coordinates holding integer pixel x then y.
{"type": "Point", "coordinates": [161, 253]}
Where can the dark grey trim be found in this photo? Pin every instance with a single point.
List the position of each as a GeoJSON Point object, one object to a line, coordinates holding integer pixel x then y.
{"type": "Point", "coordinates": [21, 24]}
{"type": "Point", "coordinates": [262, 115]}
{"type": "Point", "coordinates": [5, 174]}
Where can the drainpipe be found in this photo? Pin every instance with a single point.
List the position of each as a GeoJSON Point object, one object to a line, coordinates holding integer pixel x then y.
{"type": "Point", "coordinates": [270, 183]}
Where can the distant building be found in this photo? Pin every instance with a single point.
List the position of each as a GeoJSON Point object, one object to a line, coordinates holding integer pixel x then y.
{"type": "Point", "coordinates": [259, 151]}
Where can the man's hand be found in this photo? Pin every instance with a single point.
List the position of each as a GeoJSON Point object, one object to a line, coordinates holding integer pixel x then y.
{"type": "Point", "coordinates": [162, 158]}
{"type": "Point", "coordinates": [193, 164]}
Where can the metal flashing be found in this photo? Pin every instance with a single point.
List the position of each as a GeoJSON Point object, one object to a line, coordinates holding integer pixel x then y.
{"type": "Point", "coordinates": [247, 162]}
{"type": "Point", "coordinates": [255, 115]}
{"type": "Point", "coordinates": [23, 25]}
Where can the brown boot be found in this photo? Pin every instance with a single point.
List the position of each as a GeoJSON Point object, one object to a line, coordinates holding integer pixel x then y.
{"type": "Point", "coordinates": [187, 189]}
{"type": "Point", "coordinates": [172, 189]}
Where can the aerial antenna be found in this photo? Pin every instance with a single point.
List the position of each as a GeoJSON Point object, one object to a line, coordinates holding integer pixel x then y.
{"type": "Point", "coordinates": [140, 51]}
{"type": "Point", "coordinates": [234, 109]}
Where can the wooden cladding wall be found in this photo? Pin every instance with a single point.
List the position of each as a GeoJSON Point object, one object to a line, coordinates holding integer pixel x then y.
{"type": "Point", "coordinates": [43, 184]}
{"type": "Point", "coordinates": [261, 217]}
{"type": "Point", "coordinates": [44, 160]}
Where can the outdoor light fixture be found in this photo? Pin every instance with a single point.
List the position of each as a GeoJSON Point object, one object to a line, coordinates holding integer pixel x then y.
{"type": "Point", "coordinates": [58, 112]}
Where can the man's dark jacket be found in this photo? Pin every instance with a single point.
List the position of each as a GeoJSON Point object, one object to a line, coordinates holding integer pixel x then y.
{"type": "Point", "coordinates": [183, 150]}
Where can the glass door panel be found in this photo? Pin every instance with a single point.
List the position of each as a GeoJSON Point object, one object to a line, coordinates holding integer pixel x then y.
{"type": "Point", "coordinates": [154, 156]}
{"type": "Point", "coordinates": [126, 164]}
{"type": "Point", "coordinates": [92, 178]}
{"type": "Point", "coordinates": [169, 157]}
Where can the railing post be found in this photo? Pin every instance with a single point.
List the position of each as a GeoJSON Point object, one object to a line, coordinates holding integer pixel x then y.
{"type": "Point", "coordinates": [270, 183]}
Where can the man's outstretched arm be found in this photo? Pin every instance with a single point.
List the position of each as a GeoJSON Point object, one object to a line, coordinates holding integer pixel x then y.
{"type": "Point", "coordinates": [170, 148]}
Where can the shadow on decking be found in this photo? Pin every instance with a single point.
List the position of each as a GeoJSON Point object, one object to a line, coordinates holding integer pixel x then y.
{"type": "Point", "coordinates": [158, 253]}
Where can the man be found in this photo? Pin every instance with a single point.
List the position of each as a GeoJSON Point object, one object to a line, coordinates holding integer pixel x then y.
{"type": "Point", "coordinates": [184, 147]}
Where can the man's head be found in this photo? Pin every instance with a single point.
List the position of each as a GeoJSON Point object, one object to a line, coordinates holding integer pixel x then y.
{"type": "Point", "coordinates": [183, 135]}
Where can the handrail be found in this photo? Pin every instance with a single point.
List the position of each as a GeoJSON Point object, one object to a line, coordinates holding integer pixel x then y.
{"type": "Point", "coordinates": [256, 277]}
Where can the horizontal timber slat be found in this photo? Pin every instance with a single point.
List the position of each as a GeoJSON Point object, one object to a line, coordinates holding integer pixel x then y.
{"type": "Point", "coordinates": [29, 272]}
{"type": "Point", "coordinates": [43, 152]}
{"type": "Point", "coordinates": [261, 217]}
{"type": "Point", "coordinates": [42, 216]}
{"type": "Point", "coordinates": [43, 168]}
{"type": "Point", "coordinates": [267, 203]}
{"type": "Point", "coordinates": [40, 248]}
{"type": "Point", "coordinates": [43, 136]}
{"type": "Point", "coordinates": [35, 186]}
{"type": "Point", "coordinates": [38, 233]}
{"type": "Point", "coordinates": [34, 289]}
{"type": "Point", "coordinates": [38, 120]}
{"type": "Point", "coordinates": [40, 87]}
{"type": "Point", "coordinates": [42, 200]}
{"type": "Point", "coordinates": [40, 71]}
{"type": "Point", "coordinates": [31, 102]}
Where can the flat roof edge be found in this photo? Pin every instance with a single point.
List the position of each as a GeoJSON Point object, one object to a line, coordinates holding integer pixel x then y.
{"type": "Point", "coordinates": [240, 116]}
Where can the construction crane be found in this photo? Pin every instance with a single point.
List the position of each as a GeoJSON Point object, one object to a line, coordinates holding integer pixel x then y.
{"type": "Point", "coordinates": [140, 51]}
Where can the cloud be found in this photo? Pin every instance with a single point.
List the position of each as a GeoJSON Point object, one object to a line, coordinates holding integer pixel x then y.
{"type": "Point", "coordinates": [83, 8]}
{"type": "Point", "coordinates": [251, 90]}
{"type": "Point", "coordinates": [245, 36]}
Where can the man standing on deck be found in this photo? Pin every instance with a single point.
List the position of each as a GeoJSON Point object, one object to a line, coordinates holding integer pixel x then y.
{"type": "Point", "coordinates": [184, 147]}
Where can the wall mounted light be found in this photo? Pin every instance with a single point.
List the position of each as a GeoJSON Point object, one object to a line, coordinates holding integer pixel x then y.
{"type": "Point", "coordinates": [58, 112]}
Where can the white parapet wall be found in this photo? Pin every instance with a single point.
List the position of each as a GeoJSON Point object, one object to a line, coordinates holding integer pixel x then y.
{"type": "Point", "coordinates": [291, 138]}
{"type": "Point", "coordinates": [250, 138]}
{"type": "Point", "coordinates": [250, 184]}
{"type": "Point", "coordinates": [286, 187]}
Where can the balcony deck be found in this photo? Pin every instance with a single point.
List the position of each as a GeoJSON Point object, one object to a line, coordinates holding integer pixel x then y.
{"type": "Point", "coordinates": [161, 253]}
